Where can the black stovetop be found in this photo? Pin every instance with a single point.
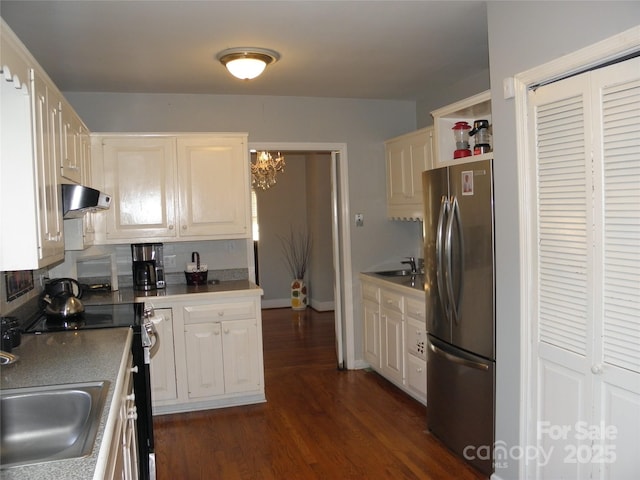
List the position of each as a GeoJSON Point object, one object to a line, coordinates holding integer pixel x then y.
{"type": "Point", "coordinates": [94, 316]}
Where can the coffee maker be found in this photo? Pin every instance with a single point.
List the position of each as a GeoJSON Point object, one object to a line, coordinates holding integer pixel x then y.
{"type": "Point", "coordinates": [147, 265]}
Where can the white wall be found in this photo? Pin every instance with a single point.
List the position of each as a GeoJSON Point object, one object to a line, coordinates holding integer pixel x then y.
{"type": "Point", "coordinates": [321, 278]}
{"type": "Point", "coordinates": [523, 35]}
{"type": "Point", "coordinates": [363, 125]}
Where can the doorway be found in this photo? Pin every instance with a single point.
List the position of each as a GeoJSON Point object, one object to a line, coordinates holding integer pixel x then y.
{"type": "Point", "coordinates": [340, 240]}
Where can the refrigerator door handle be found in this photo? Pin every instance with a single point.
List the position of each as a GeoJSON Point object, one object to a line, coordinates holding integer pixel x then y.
{"type": "Point", "coordinates": [454, 216]}
{"type": "Point", "coordinates": [459, 360]}
{"type": "Point", "coordinates": [440, 257]}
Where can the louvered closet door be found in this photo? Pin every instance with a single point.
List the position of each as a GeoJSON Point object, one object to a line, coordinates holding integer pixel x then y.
{"type": "Point", "coordinates": [586, 352]}
{"type": "Point", "coordinates": [616, 94]}
{"type": "Point", "coordinates": [565, 266]}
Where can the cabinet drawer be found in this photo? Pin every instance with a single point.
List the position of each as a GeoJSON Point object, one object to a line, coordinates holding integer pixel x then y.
{"type": "Point", "coordinates": [370, 292]}
{"type": "Point", "coordinates": [416, 333]}
{"type": "Point", "coordinates": [417, 375]}
{"type": "Point", "coordinates": [391, 301]}
{"type": "Point", "coordinates": [219, 312]}
{"type": "Point", "coordinates": [416, 309]}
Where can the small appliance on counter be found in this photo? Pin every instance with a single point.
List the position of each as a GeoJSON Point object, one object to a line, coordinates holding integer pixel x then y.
{"type": "Point", "coordinates": [147, 266]}
{"type": "Point", "coordinates": [11, 333]}
{"type": "Point", "coordinates": [196, 273]}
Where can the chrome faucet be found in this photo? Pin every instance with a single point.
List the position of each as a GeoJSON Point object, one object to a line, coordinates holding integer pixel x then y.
{"type": "Point", "coordinates": [411, 261]}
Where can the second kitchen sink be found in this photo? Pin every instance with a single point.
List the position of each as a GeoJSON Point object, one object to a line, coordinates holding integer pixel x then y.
{"type": "Point", "coordinates": [396, 273]}
{"type": "Point", "coordinates": [56, 422]}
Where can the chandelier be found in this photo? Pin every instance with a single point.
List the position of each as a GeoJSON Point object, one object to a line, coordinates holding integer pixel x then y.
{"type": "Point", "coordinates": [263, 171]}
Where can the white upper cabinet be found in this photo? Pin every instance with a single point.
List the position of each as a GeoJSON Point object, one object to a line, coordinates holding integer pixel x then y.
{"type": "Point", "coordinates": [31, 203]}
{"type": "Point", "coordinates": [47, 135]}
{"type": "Point", "coordinates": [168, 187]}
{"type": "Point", "coordinates": [71, 161]}
{"type": "Point", "coordinates": [407, 157]}
{"type": "Point", "coordinates": [213, 185]}
{"type": "Point", "coordinates": [40, 135]}
{"type": "Point", "coordinates": [468, 110]}
{"type": "Point", "coordinates": [139, 174]}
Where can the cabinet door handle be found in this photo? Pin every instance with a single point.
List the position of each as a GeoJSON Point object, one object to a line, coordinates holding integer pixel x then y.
{"type": "Point", "coordinates": [184, 227]}
{"type": "Point", "coordinates": [226, 331]}
{"type": "Point", "coordinates": [221, 313]}
{"type": "Point", "coordinates": [170, 227]}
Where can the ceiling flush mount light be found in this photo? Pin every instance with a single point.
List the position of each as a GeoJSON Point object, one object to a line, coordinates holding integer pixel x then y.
{"type": "Point", "coordinates": [247, 63]}
{"type": "Point", "coordinates": [263, 171]}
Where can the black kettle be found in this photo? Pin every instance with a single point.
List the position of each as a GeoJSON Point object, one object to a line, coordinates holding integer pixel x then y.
{"type": "Point", "coordinates": [58, 286]}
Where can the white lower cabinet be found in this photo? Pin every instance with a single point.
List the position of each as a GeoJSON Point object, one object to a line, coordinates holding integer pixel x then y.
{"type": "Point", "coordinates": [213, 355]}
{"type": "Point", "coordinates": [394, 327]}
{"type": "Point", "coordinates": [205, 369]}
{"type": "Point", "coordinates": [392, 334]}
{"type": "Point", "coordinates": [416, 356]}
{"type": "Point", "coordinates": [163, 361]}
{"type": "Point", "coordinates": [122, 463]}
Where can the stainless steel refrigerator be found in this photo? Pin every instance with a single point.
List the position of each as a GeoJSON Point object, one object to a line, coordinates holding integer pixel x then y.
{"type": "Point", "coordinates": [460, 295]}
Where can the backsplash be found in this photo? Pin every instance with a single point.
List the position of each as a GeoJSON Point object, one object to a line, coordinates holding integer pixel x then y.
{"type": "Point", "coordinates": [175, 278]}
{"type": "Point", "coordinates": [97, 261]}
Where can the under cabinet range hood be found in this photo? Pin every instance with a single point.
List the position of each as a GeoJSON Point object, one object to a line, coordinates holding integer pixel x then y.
{"type": "Point", "coordinates": [78, 199]}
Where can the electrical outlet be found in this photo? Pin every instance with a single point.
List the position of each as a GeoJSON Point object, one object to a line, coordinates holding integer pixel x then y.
{"type": "Point", "coordinates": [169, 261]}
{"type": "Point", "coordinates": [359, 219]}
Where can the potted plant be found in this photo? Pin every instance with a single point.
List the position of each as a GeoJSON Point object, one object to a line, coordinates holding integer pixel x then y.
{"type": "Point", "coordinates": [296, 249]}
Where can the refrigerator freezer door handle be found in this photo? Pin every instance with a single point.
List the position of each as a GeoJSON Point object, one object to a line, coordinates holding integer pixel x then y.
{"type": "Point", "coordinates": [458, 301]}
{"type": "Point", "coordinates": [444, 303]}
{"type": "Point", "coordinates": [458, 360]}
{"type": "Point", "coordinates": [454, 303]}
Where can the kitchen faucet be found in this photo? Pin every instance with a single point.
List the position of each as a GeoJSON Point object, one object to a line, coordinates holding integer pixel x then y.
{"type": "Point", "coordinates": [412, 263]}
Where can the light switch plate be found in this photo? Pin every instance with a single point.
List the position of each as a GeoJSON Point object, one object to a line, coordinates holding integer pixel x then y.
{"type": "Point", "coordinates": [359, 219]}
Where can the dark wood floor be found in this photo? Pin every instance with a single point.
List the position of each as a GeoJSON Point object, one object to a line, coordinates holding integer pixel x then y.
{"type": "Point", "coordinates": [318, 422]}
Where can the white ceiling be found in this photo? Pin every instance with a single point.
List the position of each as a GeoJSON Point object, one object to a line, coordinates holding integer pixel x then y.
{"type": "Point", "coordinates": [350, 49]}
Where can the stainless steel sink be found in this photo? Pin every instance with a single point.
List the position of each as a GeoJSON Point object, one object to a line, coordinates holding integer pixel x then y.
{"type": "Point", "coordinates": [43, 424]}
{"type": "Point", "coordinates": [396, 273]}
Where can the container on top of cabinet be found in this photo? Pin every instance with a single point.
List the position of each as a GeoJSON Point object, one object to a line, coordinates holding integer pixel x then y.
{"type": "Point", "coordinates": [470, 110]}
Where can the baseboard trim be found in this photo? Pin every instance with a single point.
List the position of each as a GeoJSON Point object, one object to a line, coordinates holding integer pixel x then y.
{"type": "Point", "coordinates": [285, 302]}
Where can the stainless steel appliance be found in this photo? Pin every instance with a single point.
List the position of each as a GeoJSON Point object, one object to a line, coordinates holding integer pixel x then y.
{"type": "Point", "coordinates": [460, 295]}
{"type": "Point", "coordinates": [148, 266]}
{"type": "Point", "coordinates": [145, 338]}
{"type": "Point", "coordinates": [78, 199]}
